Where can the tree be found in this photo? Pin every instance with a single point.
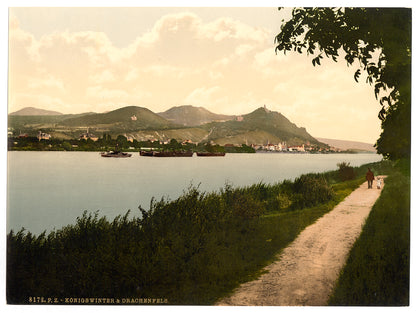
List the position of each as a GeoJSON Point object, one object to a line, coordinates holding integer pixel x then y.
{"type": "Point", "coordinates": [106, 137]}
{"type": "Point", "coordinates": [174, 144]}
{"type": "Point", "coordinates": [122, 142]}
{"type": "Point", "coordinates": [66, 146]}
{"type": "Point", "coordinates": [379, 39]}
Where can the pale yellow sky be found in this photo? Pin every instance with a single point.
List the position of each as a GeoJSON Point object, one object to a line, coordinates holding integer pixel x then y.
{"type": "Point", "coordinates": [75, 60]}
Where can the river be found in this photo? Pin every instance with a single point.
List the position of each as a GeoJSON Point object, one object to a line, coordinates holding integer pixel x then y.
{"type": "Point", "coordinates": [48, 190]}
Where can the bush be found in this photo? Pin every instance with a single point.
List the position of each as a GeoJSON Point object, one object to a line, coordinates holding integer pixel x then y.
{"type": "Point", "coordinates": [281, 202]}
{"type": "Point", "coordinates": [311, 190]}
{"type": "Point", "coordinates": [346, 172]}
{"type": "Point", "coordinates": [245, 207]}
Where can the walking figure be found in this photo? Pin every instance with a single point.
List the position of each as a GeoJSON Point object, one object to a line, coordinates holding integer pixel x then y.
{"type": "Point", "coordinates": [370, 177]}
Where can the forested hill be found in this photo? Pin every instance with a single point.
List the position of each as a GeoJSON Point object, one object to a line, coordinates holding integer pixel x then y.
{"type": "Point", "coordinates": [130, 118]}
{"type": "Point", "coordinates": [262, 126]}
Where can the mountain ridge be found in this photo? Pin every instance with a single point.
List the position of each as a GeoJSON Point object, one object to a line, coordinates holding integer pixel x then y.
{"type": "Point", "coordinates": [189, 115]}
{"type": "Point", "coordinates": [32, 111]}
{"type": "Point", "coordinates": [261, 126]}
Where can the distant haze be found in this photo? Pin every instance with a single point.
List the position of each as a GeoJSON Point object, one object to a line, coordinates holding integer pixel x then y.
{"type": "Point", "coordinates": [348, 145]}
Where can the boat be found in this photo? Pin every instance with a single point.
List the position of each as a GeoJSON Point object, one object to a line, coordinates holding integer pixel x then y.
{"type": "Point", "coordinates": [162, 153]}
{"type": "Point", "coordinates": [183, 153]}
{"type": "Point", "coordinates": [172, 153]}
{"type": "Point", "coordinates": [208, 154]}
{"type": "Point", "coordinates": [115, 154]}
{"type": "Point", "coordinates": [146, 153]}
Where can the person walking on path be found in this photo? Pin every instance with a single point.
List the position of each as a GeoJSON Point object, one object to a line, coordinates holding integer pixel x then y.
{"type": "Point", "coordinates": [370, 177]}
{"type": "Point", "coordinates": [305, 272]}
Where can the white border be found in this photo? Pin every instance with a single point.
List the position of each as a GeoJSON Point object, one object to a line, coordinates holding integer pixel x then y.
{"type": "Point", "coordinates": [161, 3]}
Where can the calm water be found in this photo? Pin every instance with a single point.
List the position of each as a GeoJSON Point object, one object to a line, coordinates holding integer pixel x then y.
{"type": "Point", "coordinates": [48, 190]}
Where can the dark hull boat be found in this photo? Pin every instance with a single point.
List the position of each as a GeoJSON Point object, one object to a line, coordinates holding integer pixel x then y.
{"type": "Point", "coordinates": [115, 154]}
{"type": "Point", "coordinates": [172, 153]}
{"type": "Point", "coordinates": [146, 153]}
{"type": "Point", "coordinates": [208, 154]}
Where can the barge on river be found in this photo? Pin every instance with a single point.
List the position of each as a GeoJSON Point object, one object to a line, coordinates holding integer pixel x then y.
{"type": "Point", "coordinates": [115, 154]}
{"type": "Point", "coordinates": [208, 154]}
{"type": "Point", "coordinates": [175, 153]}
{"type": "Point", "coordinates": [179, 153]}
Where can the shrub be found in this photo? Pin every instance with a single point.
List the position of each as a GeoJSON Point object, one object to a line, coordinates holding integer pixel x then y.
{"type": "Point", "coordinates": [346, 172]}
{"type": "Point", "coordinates": [245, 207]}
{"type": "Point", "coordinates": [280, 202]}
{"type": "Point", "coordinates": [311, 189]}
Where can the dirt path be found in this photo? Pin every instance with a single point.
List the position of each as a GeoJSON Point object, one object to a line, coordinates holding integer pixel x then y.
{"type": "Point", "coordinates": [306, 271]}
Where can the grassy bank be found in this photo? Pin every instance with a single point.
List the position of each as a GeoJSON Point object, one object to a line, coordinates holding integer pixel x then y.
{"type": "Point", "coordinates": [192, 250]}
{"type": "Point", "coordinates": [377, 270]}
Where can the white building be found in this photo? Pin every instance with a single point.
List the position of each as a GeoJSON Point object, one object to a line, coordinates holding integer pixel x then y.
{"type": "Point", "coordinates": [44, 136]}
{"type": "Point", "coordinates": [87, 136]}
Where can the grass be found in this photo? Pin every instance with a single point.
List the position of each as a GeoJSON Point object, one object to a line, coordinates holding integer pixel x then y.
{"type": "Point", "coordinates": [377, 270]}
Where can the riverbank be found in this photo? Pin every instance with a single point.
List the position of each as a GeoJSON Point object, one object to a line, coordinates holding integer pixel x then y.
{"type": "Point", "coordinates": [192, 250]}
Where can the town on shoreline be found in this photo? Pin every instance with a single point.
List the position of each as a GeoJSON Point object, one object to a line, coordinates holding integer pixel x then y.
{"type": "Point", "coordinates": [90, 142]}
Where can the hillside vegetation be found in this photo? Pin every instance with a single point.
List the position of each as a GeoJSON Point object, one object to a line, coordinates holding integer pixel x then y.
{"type": "Point", "coordinates": [122, 118]}
{"type": "Point", "coordinates": [274, 124]}
{"type": "Point", "coordinates": [34, 123]}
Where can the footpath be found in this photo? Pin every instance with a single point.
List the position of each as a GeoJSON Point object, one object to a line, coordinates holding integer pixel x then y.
{"type": "Point", "coordinates": [306, 271]}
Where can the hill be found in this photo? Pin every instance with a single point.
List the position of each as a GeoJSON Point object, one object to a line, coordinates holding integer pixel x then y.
{"type": "Point", "coordinates": [127, 118]}
{"type": "Point", "coordinates": [31, 111]}
{"type": "Point", "coordinates": [189, 115]}
{"type": "Point", "coordinates": [260, 127]}
{"type": "Point", "coordinates": [348, 145]}
{"type": "Point", "coordinates": [33, 123]}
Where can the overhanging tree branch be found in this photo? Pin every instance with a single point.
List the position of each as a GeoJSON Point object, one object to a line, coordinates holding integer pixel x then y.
{"type": "Point", "coordinates": [378, 39]}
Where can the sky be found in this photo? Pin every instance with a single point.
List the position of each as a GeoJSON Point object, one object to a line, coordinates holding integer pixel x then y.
{"type": "Point", "coordinates": [78, 59]}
